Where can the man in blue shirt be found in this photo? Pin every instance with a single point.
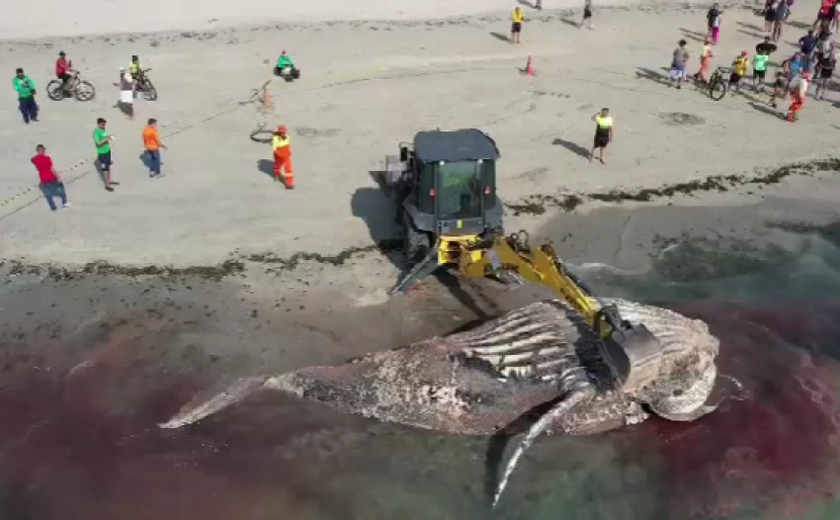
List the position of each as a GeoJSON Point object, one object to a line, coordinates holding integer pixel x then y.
{"type": "Point", "coordinates": [806, 46]}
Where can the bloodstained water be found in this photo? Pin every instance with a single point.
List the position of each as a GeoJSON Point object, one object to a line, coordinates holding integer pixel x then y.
{"type": "Point", "coordinates": [79, 441]}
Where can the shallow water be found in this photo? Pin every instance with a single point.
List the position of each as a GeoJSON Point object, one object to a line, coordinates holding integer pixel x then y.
{"type": "Point", "coordinates": [84, 444]}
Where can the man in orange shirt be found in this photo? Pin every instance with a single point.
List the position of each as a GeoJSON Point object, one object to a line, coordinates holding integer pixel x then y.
{"type": "Point", "coordinates": [151, 141]}
{"type": "Point", "coordinates": [283, 157]}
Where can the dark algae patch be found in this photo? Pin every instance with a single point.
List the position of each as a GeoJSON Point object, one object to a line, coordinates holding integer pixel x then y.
{"type": "Point", "coordinates": [212, 272]}
{"type": "Point", "coordinates": [538, 204]}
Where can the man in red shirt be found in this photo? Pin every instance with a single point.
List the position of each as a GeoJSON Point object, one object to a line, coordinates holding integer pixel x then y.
{"type": "Point", "coordinates": [63, 68]}
{"type": "Point", "coordinates": [51, 183]}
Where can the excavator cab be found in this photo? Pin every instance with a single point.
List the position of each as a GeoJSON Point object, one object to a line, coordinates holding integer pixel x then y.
{"type": "Point", "coordinates": [444, 188]}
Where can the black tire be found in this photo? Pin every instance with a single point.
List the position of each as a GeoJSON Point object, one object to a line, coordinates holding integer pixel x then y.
{"type": "Point", "coordinates": [717, 89]}
{"type": "Point", "coordinates": [149, 90]}
{"type": "Point", "coordinates": [416, 243]}
{"type": "Point", "coordinates": [84, 91]}
{"type": "Point", "coordinates": [54, 91]}
{"type": "Point", "coordinates": [262, 136]}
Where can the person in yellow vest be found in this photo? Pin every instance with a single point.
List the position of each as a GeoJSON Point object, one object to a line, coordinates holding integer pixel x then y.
{"type": "Point", "coordinates": [283, 157]}
{"type": "Point", "coordinates": [603, 133]}
{"type": "Point", "coordinates": [516, 27]}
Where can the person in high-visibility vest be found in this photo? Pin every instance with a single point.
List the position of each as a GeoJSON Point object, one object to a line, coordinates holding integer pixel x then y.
{"type": "Point", "coordinates": [283, 157]}
{"type": "Point", "coordinates": [603, 133]}
{"type": "Point", "coordinates": [516, 27]}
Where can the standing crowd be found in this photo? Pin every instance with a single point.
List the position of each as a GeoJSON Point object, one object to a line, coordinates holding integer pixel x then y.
{"type": "Point", "coordinates": [813, 62]}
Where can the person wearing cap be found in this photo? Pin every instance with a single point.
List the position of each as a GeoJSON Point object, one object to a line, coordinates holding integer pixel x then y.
{"type": "Point", "coordinates": [798, 96]}
{"type": "Point", "coordinates": [678, 63]}
{"type": "Point", "coordinates": [283, 157]}
{"type": "Point", "coordinates": [739, 71]}
{"type": "Point", "coordinates": [518, 18]}
{"type": "Point", "coordinates": [25, 88]}
{"type": "Point", "coordinates": [63, 70]}
{"type": "Point", "coordinates": [603, 133]}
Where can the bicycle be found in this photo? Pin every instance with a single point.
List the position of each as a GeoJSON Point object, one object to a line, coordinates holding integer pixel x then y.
{"type": "Point", "coordinates": [718, 84]}
{"type": "Point", "coordinates": [144, 84]}
{"type": "Point", "coordinates": [77, 87]}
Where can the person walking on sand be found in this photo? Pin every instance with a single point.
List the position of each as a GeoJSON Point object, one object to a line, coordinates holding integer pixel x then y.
{"type": "Point", "coordinates": [713, 19]}
{"type": "Point", "coordinates": [102, 139]}
{"type": "Point", "coordinates": [603, 133]}
{"type": "Point", "coordinates": [798, 96]}
{"type": "Point", "coordinates": [678, 62]}
{"type": "Point", "coordinates": [283, 157]}
{"type": "Point", "coordinates": [807, 44]}
{"type": "Point", "coordinates": [782, 10]}
{"type": "Point", "coordinates": [770, 16]}
{"type": "Point", "coordinates": [826, 63]}
{"type": "Point", "coordinates": [25, 88]}
{"type": "Point", "coordinates": [518, 18]}
{"type": "Point", "coordinates": [151, 141]}
{"type": "Point", "coordinates": [50, 181]}
{"type": "Point", "coordinates": [587, 15]}
{"type": "Point", "coordinates": [779, 87]}
{"type": "Point", "coordinates": [126, 93]}
{"type": "Point", "coordinates": [739, 70]}
{"type": "Point", "coordinates": [705, 62]}
{"type": "Point", "coordinates": [759, 70]}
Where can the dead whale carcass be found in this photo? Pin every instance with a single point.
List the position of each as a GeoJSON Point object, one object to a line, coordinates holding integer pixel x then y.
{"type": "Point", "coordinates": [479, 381]}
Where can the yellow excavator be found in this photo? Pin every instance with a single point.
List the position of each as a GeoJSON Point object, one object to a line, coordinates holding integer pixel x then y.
{"type": "Point", "coordinates": [445, 191]}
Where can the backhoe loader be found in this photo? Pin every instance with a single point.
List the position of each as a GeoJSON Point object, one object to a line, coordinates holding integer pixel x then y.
{"type": "Point", "coordinates": [444, 189]}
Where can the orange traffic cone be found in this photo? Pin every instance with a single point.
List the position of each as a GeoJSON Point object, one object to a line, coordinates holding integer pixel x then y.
{"type": "Point", "coordinates": [529, 68]}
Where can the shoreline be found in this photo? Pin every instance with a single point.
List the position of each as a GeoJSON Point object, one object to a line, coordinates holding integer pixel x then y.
{"type": "Point", "coordinates": [301, 21]}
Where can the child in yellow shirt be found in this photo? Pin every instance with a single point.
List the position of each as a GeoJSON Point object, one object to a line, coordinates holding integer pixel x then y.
{"type": "Point", "coordinates": [739, 71]}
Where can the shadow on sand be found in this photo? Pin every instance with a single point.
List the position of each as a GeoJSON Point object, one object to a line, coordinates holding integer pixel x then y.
{"type": "Point", "coordinates": [500, 36]}
{"type": "Point", "coordinates": [572, 147]}
{"type": "Point", "coordinates": [766, 110]}
{"type": "Point", "coordinates": [266, 166]}
{"type": "Point", "coordinates": [693, 35]}
{"type": "Point", "coordinates": [652, 75]}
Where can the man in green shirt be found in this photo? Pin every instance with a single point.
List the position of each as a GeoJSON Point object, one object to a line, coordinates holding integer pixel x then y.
{"type": "Point", "coordinates": [102, 140]}
{"type": "Point", "coordinates": [286, 67]}
{"type": "Point", "coordinates": [759, 69]}
{"type": "Point", "coordinates": [25, 89]}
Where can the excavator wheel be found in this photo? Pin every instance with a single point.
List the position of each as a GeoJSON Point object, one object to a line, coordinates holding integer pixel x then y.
{"type": "Point", "coordinates": [416, 245]}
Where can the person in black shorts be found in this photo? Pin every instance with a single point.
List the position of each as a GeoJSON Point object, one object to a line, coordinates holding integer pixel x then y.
{"type": "Point", "coordinates": [769, 15]}
{"type": "Point", "coordinates": [825, 65]}
{"type": "Point", "coordinates": [587, 15]}
{"type": "Point", "coordinates": [603, 133]}
{"type": "Point", "coordinates": [516, 26]}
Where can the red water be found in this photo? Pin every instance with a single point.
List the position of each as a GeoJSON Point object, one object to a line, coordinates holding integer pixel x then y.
{"type": "Point", "coordinates": [85, 446]}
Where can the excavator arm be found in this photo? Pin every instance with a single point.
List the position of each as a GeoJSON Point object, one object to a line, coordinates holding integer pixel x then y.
{"type": "Point", "coordinates": [629, 349]}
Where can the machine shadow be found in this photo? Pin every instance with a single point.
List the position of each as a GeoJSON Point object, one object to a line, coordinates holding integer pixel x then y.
{"type": "Point", "coordinates": [376, 209]}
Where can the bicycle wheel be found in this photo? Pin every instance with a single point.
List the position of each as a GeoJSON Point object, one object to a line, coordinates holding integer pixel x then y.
{"type": "Point", "coordinates": [149, 90]}
{"type": "Point", "coordinates": [85, 91]}
{"type": "Point", "coordinates": [54, 91]}
{"type": "Point", "coordinates": [717, 89]}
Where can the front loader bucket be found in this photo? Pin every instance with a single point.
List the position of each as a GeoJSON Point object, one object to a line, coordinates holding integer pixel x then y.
{"type": "Point", "coordinates": [633, 354]}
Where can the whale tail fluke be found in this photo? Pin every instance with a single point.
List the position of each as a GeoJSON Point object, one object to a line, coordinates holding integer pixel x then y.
{"type": "Point", "coordinates": [201, 406]}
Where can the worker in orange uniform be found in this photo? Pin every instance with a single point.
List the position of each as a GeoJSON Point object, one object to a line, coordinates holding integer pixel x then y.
{"type": "Point", "coordinates": [283, 157]}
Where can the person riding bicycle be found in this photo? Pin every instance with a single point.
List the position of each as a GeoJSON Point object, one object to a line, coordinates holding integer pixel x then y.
{"type": "Point", "coordinates": [135, 67]}
{"type": "Point", "coordinates": [286, 67]}
{"type": "Point", "coordinates": [63, 71]}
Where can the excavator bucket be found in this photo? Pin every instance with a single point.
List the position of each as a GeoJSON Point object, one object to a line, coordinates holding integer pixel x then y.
{"type": "Point", "coordinates": [633, 354]}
